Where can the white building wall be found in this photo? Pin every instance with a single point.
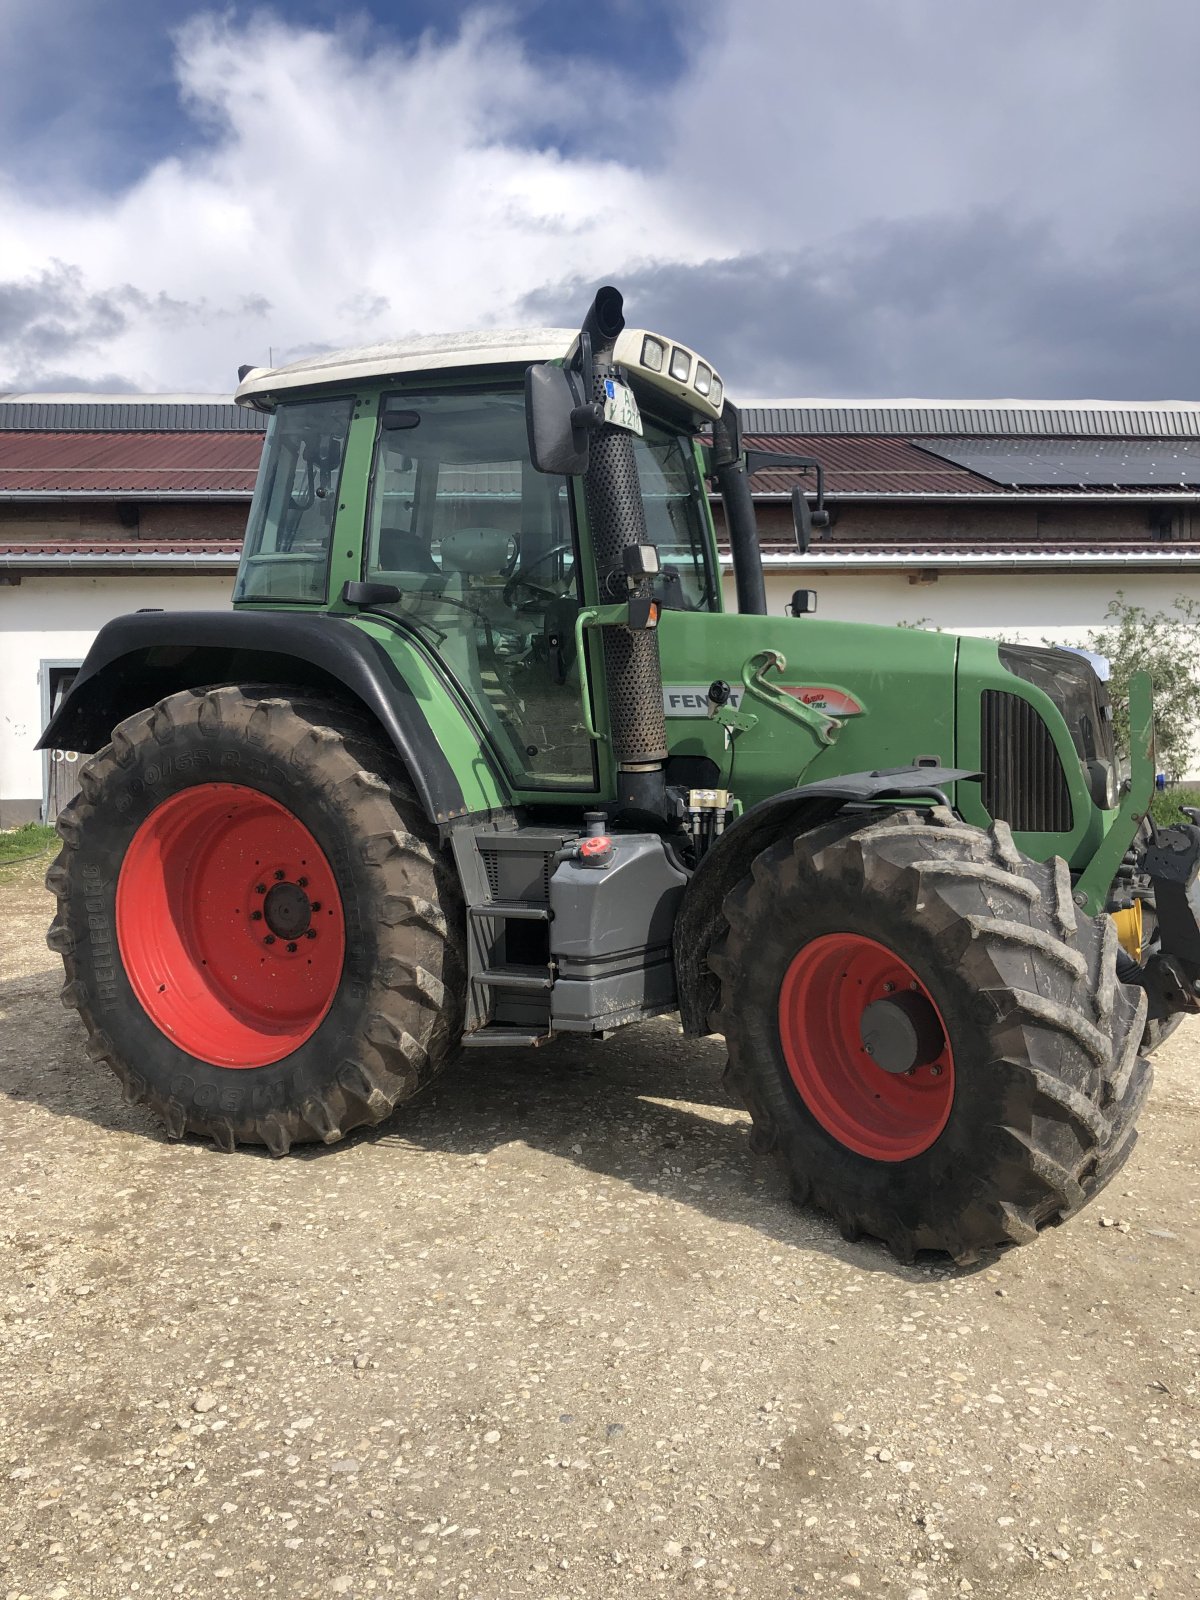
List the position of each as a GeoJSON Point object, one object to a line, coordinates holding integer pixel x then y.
{"type": "Point", "coordinates": [56, 619]}
{"type": "Point", "coordinates": [1058, 606]}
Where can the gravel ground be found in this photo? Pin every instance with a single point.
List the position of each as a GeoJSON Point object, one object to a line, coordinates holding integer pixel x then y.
{"type": "Point", "coordinates": [555, 1333]}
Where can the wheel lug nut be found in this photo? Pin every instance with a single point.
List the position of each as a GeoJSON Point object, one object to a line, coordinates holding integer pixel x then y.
{"type": "Point", "coordinates": [260, 888]}
{"type": "Point", "coordinates": [888, 987]}
{"type": "Point", "coordinates": [256, 916]}
{"type": "Point", "coordinates": [310, 933]}
{"type": "Point", "coordinates": [935, 1071]}
{"type": "Point", "coordinates": [303, 882]}
{"type": "Point", "coordinates": [270, 939]}
{"type": "Point", "coordinates": [291, 949]}
{"type": "Point", "coordinates": [280, 875]}
{"type": "Point", "coordinates": [316, 905]}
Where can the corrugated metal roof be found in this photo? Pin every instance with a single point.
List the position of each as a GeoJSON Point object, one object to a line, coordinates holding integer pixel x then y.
{"type": "Point", "coordinates": [1069, 419]}
{"type": "Point", "coordinates": [865, 465]}
{"type": "Point", "coordinates": [128, 463]}
{"type": "Point", "coordinates": [140, 413]}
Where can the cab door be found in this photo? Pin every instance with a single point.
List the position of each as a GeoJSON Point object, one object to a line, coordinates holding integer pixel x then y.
{"type": "Point", "coordinates": [484, 552]}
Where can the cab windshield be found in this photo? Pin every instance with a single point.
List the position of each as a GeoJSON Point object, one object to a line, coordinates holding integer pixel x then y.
{"type": "Point", "coordinates": [676, 519]}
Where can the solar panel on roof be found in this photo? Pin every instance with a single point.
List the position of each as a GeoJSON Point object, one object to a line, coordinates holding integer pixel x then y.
{"type": "Point", "coordinates": [1073, 419]}
{"type": "Point", "coordinates": [1100, 463]}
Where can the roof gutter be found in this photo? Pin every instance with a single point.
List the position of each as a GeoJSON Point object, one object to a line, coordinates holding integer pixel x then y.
{"type": "Point", "coordinates": [1000, 561]}
{"type": "Point", "coordinates": [149, 562]}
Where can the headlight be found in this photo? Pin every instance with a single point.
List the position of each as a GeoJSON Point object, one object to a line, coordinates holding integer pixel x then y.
{"type": "Point", "coordinates": [653, 354]}
{"type": "Point", "coordinates": [718, 389]}
{"type": "Point", "coordinates": [703, 378]}
{"type": "Point", "coordinates": [1104, 783]}
{"type": "Point", "coordinates": [681, 364]}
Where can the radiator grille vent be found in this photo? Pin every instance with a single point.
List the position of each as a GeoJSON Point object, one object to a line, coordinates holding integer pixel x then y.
{"type": "Point", "coordinates": [1023, 780]}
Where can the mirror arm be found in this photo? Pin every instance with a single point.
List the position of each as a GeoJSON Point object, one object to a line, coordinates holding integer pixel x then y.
{"type": "Point", "coordinates": [772, 461]}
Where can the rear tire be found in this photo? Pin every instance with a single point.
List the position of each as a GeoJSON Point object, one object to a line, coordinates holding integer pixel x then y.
{"type": "Point", "coordinates": [1038, 1041]}
{"type": "Point", "coordinates": [258, 932]}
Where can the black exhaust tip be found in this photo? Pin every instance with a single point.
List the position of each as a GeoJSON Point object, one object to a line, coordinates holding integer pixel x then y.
{"type": "Point", "coordinates": [605, 317]}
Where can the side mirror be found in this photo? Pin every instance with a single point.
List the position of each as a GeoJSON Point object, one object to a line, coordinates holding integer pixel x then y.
{"type": "Point", "coordinates": [558, 422]}
{"type": "Point", "coordinates": [802, 517]}
{"type": "Point", "coordinates": [805, 517]}
{"type": "Point", "coordinates": [803, 603]}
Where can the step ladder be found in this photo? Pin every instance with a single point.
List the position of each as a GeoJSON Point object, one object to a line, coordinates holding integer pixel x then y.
{"type": "Point", "coordinates": [505, 873]}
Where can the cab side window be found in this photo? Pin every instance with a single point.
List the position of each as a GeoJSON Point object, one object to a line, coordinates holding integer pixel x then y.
{"type": "Point", "coordinates": [288, 540]}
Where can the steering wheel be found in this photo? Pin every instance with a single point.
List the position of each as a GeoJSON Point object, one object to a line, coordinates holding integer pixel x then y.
{"type": "Point", "coordinates": [541, 592]}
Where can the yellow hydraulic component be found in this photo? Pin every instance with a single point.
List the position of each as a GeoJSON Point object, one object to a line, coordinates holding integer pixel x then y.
{"type": "Point", "coordinates": [1129, 929]}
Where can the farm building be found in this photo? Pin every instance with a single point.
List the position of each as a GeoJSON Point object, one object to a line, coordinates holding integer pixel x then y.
{"type": "Point", "coordinates": [977, 517]}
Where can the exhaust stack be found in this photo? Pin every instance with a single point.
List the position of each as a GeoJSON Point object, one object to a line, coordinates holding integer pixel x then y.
{"type": "Point", "coordinates": [616, 514]}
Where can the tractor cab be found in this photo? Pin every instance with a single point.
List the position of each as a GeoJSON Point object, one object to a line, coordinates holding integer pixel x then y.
{"type": "Point", "coordinates": [411, 495]}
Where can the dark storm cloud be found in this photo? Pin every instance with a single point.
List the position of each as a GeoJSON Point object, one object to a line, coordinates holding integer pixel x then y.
{"type": "Point", "coordinates": [47, 317]}
{"type": "Point", "coordinates": [52, 319]}
{"type": "Point", "coordinates": [943, 306]}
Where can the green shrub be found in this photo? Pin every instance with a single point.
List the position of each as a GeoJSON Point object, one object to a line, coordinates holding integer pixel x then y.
{"type": "Point", "coordinates": [1167, 646]}
{"type": "Point", "coordinates": [1167, 805]}
{"type": "Point", "coordinates": [20, 844]}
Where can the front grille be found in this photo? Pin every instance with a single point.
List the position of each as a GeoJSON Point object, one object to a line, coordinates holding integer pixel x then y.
{"type": "Point", "coordinates": [1023, 780]}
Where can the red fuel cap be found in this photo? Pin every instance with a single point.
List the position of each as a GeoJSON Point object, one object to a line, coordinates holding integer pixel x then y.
{"type": "Point", "coordinates": [596, 851]}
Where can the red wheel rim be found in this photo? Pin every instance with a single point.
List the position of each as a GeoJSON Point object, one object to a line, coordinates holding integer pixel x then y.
{"type": "Point", "coordinates": [886, 1115]}
{"type": "Point", "coordinates": [230, 925]}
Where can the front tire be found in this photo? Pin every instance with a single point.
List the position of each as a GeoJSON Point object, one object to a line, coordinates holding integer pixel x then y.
{"type": "Point", "coordinates": [1005, 1081]}
{"type": "Point", "coordinates": [257, 930]}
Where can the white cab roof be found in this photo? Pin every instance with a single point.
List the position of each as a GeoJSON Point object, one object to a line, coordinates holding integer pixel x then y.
{"type": "Point", "coordinates": [500, 347]}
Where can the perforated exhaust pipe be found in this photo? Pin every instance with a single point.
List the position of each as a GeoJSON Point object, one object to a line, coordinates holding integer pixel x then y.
{"type": "Point", "coordinates": [617, 518]}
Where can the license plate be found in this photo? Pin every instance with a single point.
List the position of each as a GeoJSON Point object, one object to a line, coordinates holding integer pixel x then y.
{"type": "Point", "coordinates": [620, 406]}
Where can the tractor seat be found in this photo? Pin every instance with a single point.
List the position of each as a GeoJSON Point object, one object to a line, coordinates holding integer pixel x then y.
{"type": "Point", "coordinates": [402, 551]}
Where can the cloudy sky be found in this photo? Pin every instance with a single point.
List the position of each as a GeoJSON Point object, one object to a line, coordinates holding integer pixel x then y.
{"type": "Point", "coordinates": [828, 197]}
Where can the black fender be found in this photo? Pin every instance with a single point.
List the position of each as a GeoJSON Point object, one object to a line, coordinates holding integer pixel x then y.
{"type": "Point", "coordinates": [139, 659]}
{"type": "Point", "coordinates": [786, 814]}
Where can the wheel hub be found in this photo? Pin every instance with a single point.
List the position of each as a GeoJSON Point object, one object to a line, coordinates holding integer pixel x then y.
{"type": "Point", "coordinates": [865, 1046]}
{"type": "Point", "coordinates": [287, 911]}
{"type": "Point", "coordinates": [902, 1032]}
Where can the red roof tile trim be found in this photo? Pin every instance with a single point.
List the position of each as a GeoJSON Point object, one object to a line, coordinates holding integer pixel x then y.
{"type": "Point", "coordinates": [125, 463]}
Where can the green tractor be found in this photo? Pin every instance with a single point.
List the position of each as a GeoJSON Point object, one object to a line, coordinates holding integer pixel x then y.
{"type": "Point", "coordinates": [478, 758]}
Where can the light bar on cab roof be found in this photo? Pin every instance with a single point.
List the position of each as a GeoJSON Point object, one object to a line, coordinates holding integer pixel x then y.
{"type": "Point", "coordinates": [671, 368]}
